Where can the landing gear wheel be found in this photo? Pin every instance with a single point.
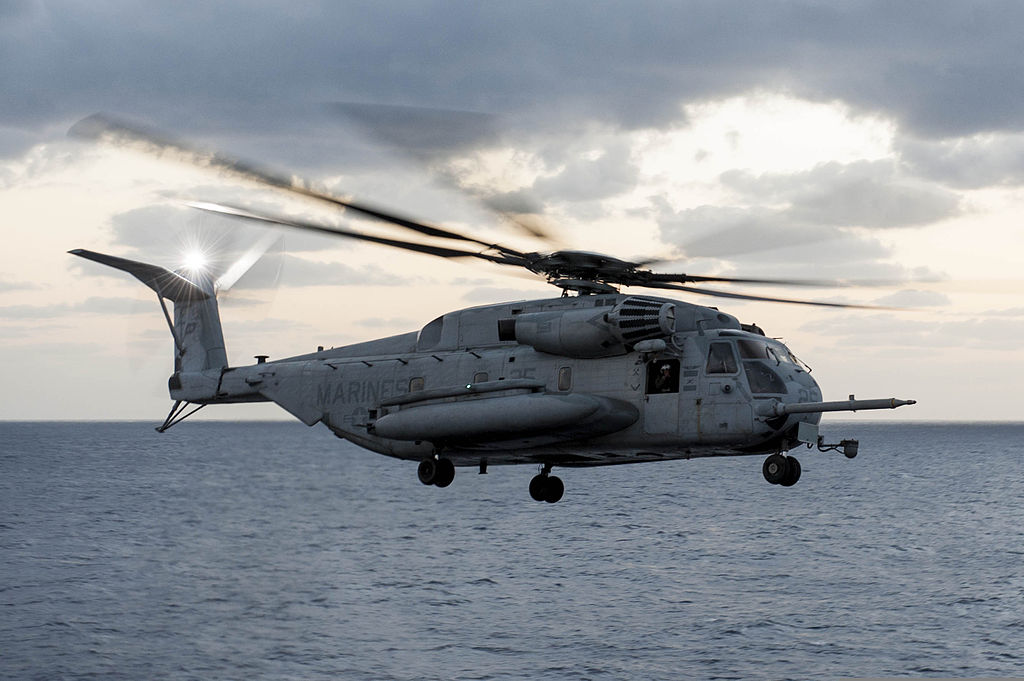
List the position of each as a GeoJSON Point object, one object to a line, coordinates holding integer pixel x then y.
{"type": "Point", "coordinates": [774, 469]}
{"type": "Point", "coordinates": [553, 489]}
{"type": "Point", "coordinates": [538, 486]}
{"type": "Point", "coordinates": [427, 471]}
{"type": "Point", "coordinates": [445, 473]}
{"type": "Point", "coordinates": [544, 487]}
{"type": "Point", "coordinates": [792, 472]}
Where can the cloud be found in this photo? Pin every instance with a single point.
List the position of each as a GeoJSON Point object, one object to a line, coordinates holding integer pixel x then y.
{"type": "Point", "coordinates": [818, 206]}
{"type": "Point", "coordinates": [910, 298]}
{"type": "Point", "coordinates": [297, 271]}
{"type": "Point", "coordinates": [422, 133]}
{"type": "Point", "coordinates": [7, 286]}
{"type": "Point", "coordinates": [1009, 312]}
{"type": "Point", "coordinates": [828, 217]}
{"type": "Point", "coordinates": [939, 71]}
{"type": "Point", "coordinates": [871, 194]}
{"type": "Point", "coordinates": [491, 294]}
{"type": "Point", "coordinates": [891, 330]}
{"type": "Point", "coordinates": [967, 162]}
{"type": "Point", "coordinates": [92, 305]}
{"type": "Point", "coordinates": [729, 232]}
{"type": "Point", "coordinates": [603, 173]}
{"type": "Point", "coordinates": [391, 323]}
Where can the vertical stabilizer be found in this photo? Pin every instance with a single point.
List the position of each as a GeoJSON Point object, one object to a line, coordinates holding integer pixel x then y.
{"type": "Point", "coordinates": [198, 338]}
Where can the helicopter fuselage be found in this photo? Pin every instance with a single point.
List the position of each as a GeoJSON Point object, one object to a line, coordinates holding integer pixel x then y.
{"type": "Point", "coordinates": [572, 381]}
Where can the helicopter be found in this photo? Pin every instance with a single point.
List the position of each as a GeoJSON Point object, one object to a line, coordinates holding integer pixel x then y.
{"type": "Point", "coordinates": [591, 377]}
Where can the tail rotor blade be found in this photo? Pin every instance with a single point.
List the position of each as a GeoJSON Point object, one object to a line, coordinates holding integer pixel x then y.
{"type": "Point", "coordinates": [244, 263]}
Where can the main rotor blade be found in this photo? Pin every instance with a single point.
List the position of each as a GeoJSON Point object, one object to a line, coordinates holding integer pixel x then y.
{"type": "Point", "coordinates": [745, 296]}
{"type": "Point", "coordinates": [100, 126]}
{"type": "Point", "coordinates": [811, 283]}
{"type": "Point", "coordinates": [439, 251]}
{"type": "Point", "coordinates": [426, 134]}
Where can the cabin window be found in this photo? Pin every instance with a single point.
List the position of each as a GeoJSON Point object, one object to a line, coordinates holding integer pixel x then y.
{"type": "Point", "coordinates": [565, 379]}
{"type": "Point", "coordinates": [480, 377]}
{"type": "Point", "coordinates": [721, 359]}
{"type": "Point", "coordinates": [506, 329]}
{"type": "Point", "coordinates": [415, 384]}
{"type": "Point", "coordinates": [663, 376]}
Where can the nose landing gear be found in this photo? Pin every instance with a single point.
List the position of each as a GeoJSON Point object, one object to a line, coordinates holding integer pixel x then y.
{"type": "Point", "coordinates": [781, 470]}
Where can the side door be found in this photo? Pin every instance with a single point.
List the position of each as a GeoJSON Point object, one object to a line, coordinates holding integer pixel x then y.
{"type": "Point", "coordinates": [725, 415]}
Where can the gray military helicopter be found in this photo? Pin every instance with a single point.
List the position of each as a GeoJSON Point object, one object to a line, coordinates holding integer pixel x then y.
{"type": "Point", "coordinates": [591, 379]}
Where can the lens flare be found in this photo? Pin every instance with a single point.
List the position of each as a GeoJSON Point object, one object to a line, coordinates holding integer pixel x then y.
{"type": "Point", "coordinates": [195, 261]}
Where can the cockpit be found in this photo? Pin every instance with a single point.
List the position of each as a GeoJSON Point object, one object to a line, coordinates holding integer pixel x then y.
{"type": "Point", "coordinates": [762, 361]}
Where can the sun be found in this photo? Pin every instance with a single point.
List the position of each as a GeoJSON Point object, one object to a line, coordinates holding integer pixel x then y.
{"type": "Point", "coordinates": [195, 261]}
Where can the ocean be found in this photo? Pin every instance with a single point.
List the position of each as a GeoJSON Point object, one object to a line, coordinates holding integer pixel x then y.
{"type": "Point", "coordinates": [274, 551]}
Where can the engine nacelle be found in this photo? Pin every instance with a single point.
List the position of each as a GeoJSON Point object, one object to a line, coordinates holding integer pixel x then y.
{"type": "Point", "coordinates": [596, 332]}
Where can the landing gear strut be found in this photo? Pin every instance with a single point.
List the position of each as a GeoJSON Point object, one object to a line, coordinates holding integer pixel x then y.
{"type": "Point", "coordinates": [781, 470]}
{"type": "Point", "coordinates": [546, 487]}
{"type": "Point", "coordinates": [439, 472]}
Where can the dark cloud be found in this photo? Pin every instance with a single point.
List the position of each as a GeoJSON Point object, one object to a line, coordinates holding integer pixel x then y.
{"type": "Point", "coordinates": [264, 70]}
{"type": "Point", "coordinates": [822, 206]}
{"type": "Point", "coordinates": [729, 232]}
{"type": "Point", "coordinates": [827, 217]}
{"type": "Point", "coordinates": [421, 132]}
{"type": "Point", "coordinates": [870, 194]}
{"type": "Point", "coordinates": [966, 162]}
{"type": "Point", "coordinates": [612, 172]}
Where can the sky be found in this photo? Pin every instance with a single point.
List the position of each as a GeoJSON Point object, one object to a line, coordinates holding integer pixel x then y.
{"type": "Point", "coordinates": [875, 142]}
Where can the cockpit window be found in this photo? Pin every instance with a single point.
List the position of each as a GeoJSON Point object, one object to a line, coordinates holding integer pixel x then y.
{"type": "Point", "coordinates": [753, 349]}
{"type": "Point", "coordinates": [759, 349]}
{"type": "Point", "coordinates": [721, 359]}
{"type": "Point", "coordinates": [762, 379]}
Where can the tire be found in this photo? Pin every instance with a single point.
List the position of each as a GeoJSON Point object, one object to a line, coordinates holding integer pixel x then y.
{"type": "Point", "coordinates": [538, 486]}
{"type": "Point", "coordinates": [445, 473]}
{"type": "Point", "coordinates": [774, 469]}
{"type": "Point", "coordinates": [792, 472]}
{"type": "Point", "coordinates": [554, 489]}
{"type": "Point", "coordinates": [427, 471]}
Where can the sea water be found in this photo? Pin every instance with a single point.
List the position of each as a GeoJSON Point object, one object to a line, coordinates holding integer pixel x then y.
{"type": "Point", "coordinates": [271, 550]}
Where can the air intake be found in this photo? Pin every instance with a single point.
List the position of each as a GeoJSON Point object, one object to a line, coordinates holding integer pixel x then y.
{"type": "Point", "coordinates": [638, 318]}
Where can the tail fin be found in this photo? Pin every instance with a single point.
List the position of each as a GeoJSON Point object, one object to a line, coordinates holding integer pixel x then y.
{"type": "Point", "coordinates": [198, 338]}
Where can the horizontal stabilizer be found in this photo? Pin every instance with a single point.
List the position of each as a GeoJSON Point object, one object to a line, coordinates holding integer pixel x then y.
{"type": "Point", "coordinates": [167, 284]}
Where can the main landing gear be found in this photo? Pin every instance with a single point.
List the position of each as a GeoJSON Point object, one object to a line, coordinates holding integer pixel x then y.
{"type": "Point", "coordinates": [781, 470]}
{"type": "Point", "coordinates": [546, 487]}
{"type": "Point", "coordinates": [439, 472]}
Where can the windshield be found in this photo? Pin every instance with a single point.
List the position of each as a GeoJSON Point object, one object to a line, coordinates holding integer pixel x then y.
{"type": "Point", "coordinates": [758, 358]}
{"type": "Point", "coordinates": [777, 353]}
